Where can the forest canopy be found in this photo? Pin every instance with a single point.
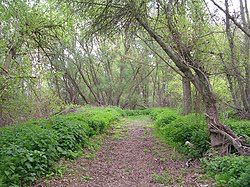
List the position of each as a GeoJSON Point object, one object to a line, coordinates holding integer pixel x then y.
{"type": "Point", "coordinates": [127, 53]}
{"type": "Point", "coordinates": [75, 72]}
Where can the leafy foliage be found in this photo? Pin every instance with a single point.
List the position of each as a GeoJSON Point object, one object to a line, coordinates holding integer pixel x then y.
{"type": "Point", "coordinates": [176, 130]}
{"type": "Point", "coordinates": [166, 117]}
{"type": "Point", "coordinates": [129, 112]}
{"type": "Point", "coordinates": [229, 171]}
{"type": "Point", "coordinates": [28, 151]}
{"type": "Point", "coordinates": [191, 128]}
{"type": "Point", "coordinates": [240, 127]}
{"type": "Point", "coordinates": [157, 111]}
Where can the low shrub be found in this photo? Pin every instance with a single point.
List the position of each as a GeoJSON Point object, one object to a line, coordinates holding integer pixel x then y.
{"type": "Point", "coordinates": [191, 128]}
{"type": "Point", "coordinates": [176, 130]}
{"type": "Point", "coordinates": [166, 117]}
{"type": "Point", "coordinates": [100, 118]}
{"type": "Point", "coordinates": [240, 127]}
{"type": "Point", "coordinates": [129, 112]}
{"type": "Point", "coordinates": [229, 170]}
{"type": "Point", "coordinates": [118, 109]}
{"type": "Point", "coordinates": [155, 112]}
{"type": "Point", "coordinates": [28, 151]}
{"type": "Point", "coordinates": [72, 133]}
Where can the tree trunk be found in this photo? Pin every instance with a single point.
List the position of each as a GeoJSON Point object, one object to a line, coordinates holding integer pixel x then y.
{"type": "Point", "coordinates": [88, 86]}
{"type": "Point", "coordinates": [233, 57]}
{"type": "Point", "coordinates": [1, 115]}
{"type": "Point", "coordinates": [77, 88]}
{"type": "Point", "coordinates": [198, 104]}
{"type": "Point", "coordinates": [231, 86]}
{"type": "Point", "coordinates": [187, 98]}
{"type": "Point", "coordinates": [154, 79]}
{"type": "Point", "coordinates": [221, 136]}
{"type": "Point", "coordinates": [246, 51]}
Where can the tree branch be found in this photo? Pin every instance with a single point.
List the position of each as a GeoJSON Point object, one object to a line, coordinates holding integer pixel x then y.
{"type": "Point", "coordinates": [233, 19]}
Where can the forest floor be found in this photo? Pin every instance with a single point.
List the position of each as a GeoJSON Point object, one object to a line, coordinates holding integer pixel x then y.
{"type": "Point", "coordinates": [130, 155]}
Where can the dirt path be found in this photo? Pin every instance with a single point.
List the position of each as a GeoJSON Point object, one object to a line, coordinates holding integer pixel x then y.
{"type": "Point", "coordinates": [130, 156]}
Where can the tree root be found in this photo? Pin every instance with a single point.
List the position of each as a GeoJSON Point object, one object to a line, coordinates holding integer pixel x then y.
{"type": "Point", "coordinates": [223, 138]}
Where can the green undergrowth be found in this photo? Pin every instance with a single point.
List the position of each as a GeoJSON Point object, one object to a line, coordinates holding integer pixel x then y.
{"type": "Point", "coordinates": [189, 135]}
{"type": "Point", "coordinates": [139, 117]}
{"type": "Point", "coordinates": [230, 171]}
{"type": "Point", "coordinates": [240, 127]}
{"type": "Point", "coordinates": [164, 178]}
{"type": "Point", "coordinates": [32, 150]}
{"type": "Point", "coordinates": [177, 130]}
{"type": "Point", "coordinates": [128, 112]}
{"type": "Point", "coordinates": [29, 151]}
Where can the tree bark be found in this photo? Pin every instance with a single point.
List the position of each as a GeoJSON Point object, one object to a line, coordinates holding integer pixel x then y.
{"type": "Point", "coordinates": [197, 103]}
{"type": "Point", "coordinates": [187, 96]}
{"type": "Point", "coordinates": [77, 88]}
{"type": "Point", "coordinates": [231, 86]}
{"type": "Point", "coordinates": [246, 49]}
{"type": "Point", "coordinates": [221, 136]}
{"type": "Point", "coordinates": [236, 71]}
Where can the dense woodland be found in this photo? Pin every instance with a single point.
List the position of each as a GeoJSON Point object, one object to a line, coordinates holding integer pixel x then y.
{"type": "Point", "coordinates": [189, 55]}
{"type": "Point", "coordinates": [129, 54]}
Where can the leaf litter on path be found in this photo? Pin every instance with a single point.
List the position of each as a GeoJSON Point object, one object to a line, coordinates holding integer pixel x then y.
{"type": "Point", "coordinates": [130, 157]}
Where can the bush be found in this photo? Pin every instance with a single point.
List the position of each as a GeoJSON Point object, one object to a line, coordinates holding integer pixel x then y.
{"type": "Point", "coordinates": [176, 130]}
{"type": "Point", "coordinates": [28, 151]}
{"type": "Point", "coordinates": [72, 134]}
{"type": "Point", "coordinates": [129, 112]}
{"type": "Point", "coordinates": [166, 117]}
{"type": "Point", "coordinates": [240, 127]}
{"type": "Point", "coordinates": [229, 170]}
{"type": "Point", "coordinates": [155, 112]}
{"type": "Point", "coordinates": [118, 109]}
{"type": "Point", "coordinates": [100, 118]}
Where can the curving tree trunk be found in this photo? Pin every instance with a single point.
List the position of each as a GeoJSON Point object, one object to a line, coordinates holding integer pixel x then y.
{"type": "Point", "coordinates": [187, 96]}
{"type": "Point", "coordinates": [221, 136]}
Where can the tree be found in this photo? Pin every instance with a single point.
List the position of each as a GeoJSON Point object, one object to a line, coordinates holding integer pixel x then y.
{"type": "Point", "coordinates": [115, 15]}
{"type": "Point", "coordinates": [27, 32]}
{"type": "Point", "coordinates": [187, 101]}
{"type": "Point", "coordinates": [237, 27]}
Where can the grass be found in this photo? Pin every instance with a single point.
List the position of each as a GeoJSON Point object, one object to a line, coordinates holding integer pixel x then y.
{"type": "Point", "coordinates": [59, 170]}
{"type": "Point", "coordinates": [146, 150]}
{"type": "Point", "coordinates": [86, 178]}
{"type": "Point", "coordinates": [119, 131]}
{"type": "Point", "coordinates": [163, 178]}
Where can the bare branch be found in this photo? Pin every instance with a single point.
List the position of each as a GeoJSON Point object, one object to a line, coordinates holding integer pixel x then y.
{"type": "Point", "coordinates": [233, 19]}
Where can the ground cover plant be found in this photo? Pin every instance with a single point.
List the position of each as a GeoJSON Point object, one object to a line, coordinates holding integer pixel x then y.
{"type": "Point", "coordinates": [229, 170]}
{"type": "Point", "coordinates": [138, 112]}
{"type": "Point", "coordinates": [29, 151]}
{"type": "Point", "coordinates": [189, 135]}
{"type": "Point", "coordinates": [167, 59]}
